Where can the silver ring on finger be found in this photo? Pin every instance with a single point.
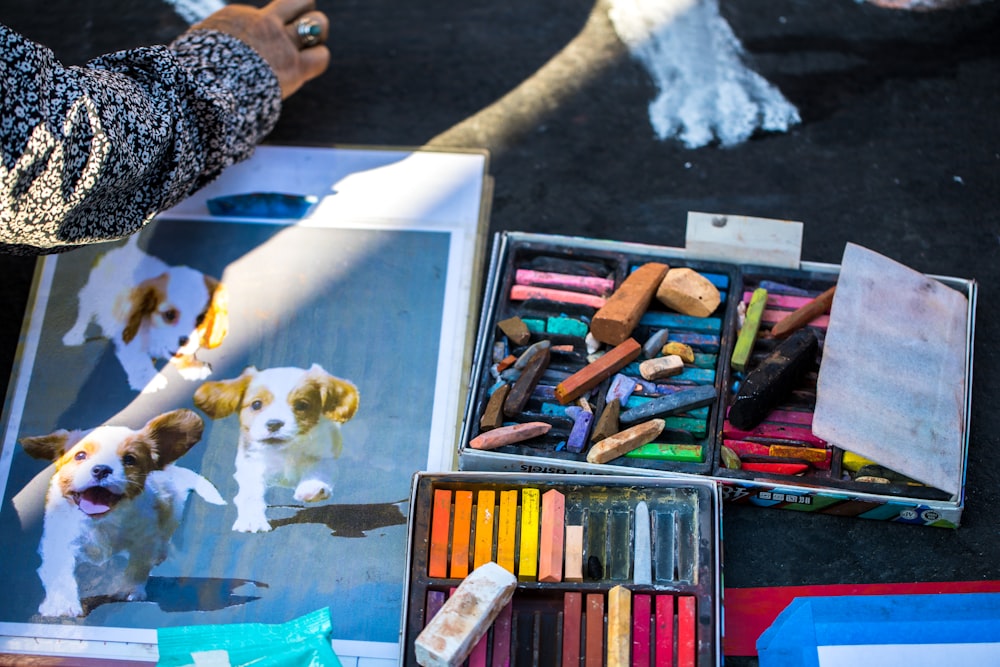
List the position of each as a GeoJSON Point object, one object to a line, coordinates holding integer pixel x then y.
{"type": "Point", "coordinates": [309, 31]}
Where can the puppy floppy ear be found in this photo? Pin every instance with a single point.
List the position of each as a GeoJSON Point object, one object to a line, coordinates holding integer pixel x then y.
{"type": "Point", "coordinates": [143, 301]}
{"type": "Point", "coordinates": [221, 398]}
{"type": "Point", "coordinates": [340, 397]}
{"type": "Point", "coordinates": [52, 446]}
{"type": "Point", "coordinates": [216, 323]}
{"type": "Point", "coordinates": [173, 434]}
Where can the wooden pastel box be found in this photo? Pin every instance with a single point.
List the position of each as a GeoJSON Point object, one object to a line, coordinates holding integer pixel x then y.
{"type": "Point", "coordinates": [598, 560]}
{"type": "Point", "coordinates": [778, 461]}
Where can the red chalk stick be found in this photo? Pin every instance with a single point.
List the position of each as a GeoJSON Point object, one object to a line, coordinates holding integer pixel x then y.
{"type": "Point", "coordinates": [591, 375]}
{"type": "Point", "coordinates": [440, 523]}
{"type": "Point", "coordinates": [572, 611]}
{"type": "Point", "coordinates": [461, 535]}
{"type": "Point", "coordinates": [687, 622]}
{"type": "Point", "coordinates": [501, 636]}
{"type": "Point", "coordinates": [594, 655]}
{"type": "Point", "coordinates": [550, 550]}
{"type": "Point", "coordinates": [664, 631]}
{"type": "Point", "coordinates": [744, 448]}
{"type": "Point", "coordinates": [589, 284]}
{"type": "Point", "coordinates": [641, 610]}
{"type": "Point", "coordinates": [775, 468]}
{"type": "Point", "coordinates": [775, 432]}
{"type": "Point", "coordinates": [524, 292]}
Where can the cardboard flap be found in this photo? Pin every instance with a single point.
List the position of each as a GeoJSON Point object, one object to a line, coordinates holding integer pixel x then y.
{"type": "Point", "coordinates": [744, 240]}
{"type": "Point", "coordinates": [891, 385]}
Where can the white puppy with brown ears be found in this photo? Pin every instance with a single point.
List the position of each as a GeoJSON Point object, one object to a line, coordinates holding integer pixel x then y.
{"type": "Point", "coordinates": [151, 311]}
{"type": "Point", "coordinates": [114, 492]}
{"type": "Point", "coordinates": [289, 433]}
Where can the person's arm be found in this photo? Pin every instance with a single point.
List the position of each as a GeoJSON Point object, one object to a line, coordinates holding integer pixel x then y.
{"type": "Point", "coordinates": [92, 153]}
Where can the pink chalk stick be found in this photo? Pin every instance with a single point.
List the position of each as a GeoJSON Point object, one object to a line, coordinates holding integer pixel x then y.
{"type": "Point", "coordinates": [478, 656]}
{"type": "Point", "coordinates": [524, 292]}
{"type": "Point", "coordinates": [794, 417]}
{"type": "Point", "coordinates": [687, 621]}
{"type": "Point", "coordinates": [785, 301]}
{"type": "Point", "coordinates": [550, 553]}
{"type": "Point", "coordinates": [775, 432]}
{"type": "Point", "coordinates": [641, 629]}
{"type": "Point", "coordinates": [589, 284]}
{"type": "Point", "coordinates": [664, 631]}
{"type": "Point", "coordinates": [506, 435]}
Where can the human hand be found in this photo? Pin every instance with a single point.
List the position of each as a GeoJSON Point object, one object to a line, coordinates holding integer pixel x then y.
{"type": "Point", "coordinates": [273, 32]}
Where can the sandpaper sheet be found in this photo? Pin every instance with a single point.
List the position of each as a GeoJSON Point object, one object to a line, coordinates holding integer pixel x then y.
{"type": "Point", "coordinates": [891, 384]}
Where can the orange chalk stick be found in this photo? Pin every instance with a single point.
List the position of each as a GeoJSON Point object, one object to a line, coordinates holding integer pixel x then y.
{"type": "Point", "coordinates": [486, 505]}
{"type": "Point", "coordinates": [440, 524]}
{"type": "Point", "coordinates": [591, 375]}
{"type": "Point", "coordinates": [805, 314]}
{"type": "Point", "coordinates": [461, 535]}
{"type": "Point", "coordinates": [550, 549]}
{"type": "Point", "coordinates": [507, 530]}
{"type": "Point", "coordinates": [524, 292]}
{"type": "Point", "coordinates": [613, 323]}
{"type": "Point", "coordinates": [619, 627]}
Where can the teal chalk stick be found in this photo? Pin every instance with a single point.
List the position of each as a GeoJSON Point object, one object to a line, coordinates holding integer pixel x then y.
{"type": "Point", "coordinates": [682, 401]}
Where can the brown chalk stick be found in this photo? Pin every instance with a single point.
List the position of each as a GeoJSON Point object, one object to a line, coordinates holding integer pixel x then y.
{"type": "Point", "coordinates": [622, 443]}
{"type": "Point", "coordinates": [515, 329]}
{"type": "Point", "coordinates": [506, 435]}
{"type": "Point", "coordinates": [525, 384]}
{"type": "Point", "coordinates": [493, 414]}
{"type": "Point", "coordinates": [614, 322]}
{"type": "Point", "coordinates": [591, 375]}
{"type": "Point", "coordinates": [608, 422]}
{"type": "Point", "coordinates": [803, 315]}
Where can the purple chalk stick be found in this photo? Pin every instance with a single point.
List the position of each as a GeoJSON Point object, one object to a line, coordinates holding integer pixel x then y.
{"type": "Point", "coordinates": [621, 388]}
{"type": "Point", "coordinates": [580, 433]}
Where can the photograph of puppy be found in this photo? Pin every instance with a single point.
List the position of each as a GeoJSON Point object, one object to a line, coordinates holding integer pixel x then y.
{"type": "Point", "coordinates": [289, 433]}
{"type": "Point", "coordinates": [151, 311]}
{"type": "Point", "coordinates": [114, 492]}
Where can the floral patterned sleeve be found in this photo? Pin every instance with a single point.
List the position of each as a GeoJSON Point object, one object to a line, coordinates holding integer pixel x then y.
{"type": "Point", "coordinates": [92, 153]}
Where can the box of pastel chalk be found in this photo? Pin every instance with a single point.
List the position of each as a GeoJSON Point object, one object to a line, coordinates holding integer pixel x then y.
{"type": "Point", "coordinates": [839, 389]}
{"type": "Point", "coordinates": [603, 569]}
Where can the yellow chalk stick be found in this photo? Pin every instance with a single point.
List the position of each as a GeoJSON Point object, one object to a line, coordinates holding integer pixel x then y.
{"type": "Point", "coordinates": [530, 513]}
{"type": "Point", "coordinates": [507, 530]}
{"type": "Point", "coordinates": [619, 626]}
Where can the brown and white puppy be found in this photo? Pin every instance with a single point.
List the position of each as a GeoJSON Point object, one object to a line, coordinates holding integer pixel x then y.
{"type": "Point", "coordinates": [114, 492]}
{"type": "Point", "coordinates": [151, 311]}
{"type": "Point", "coordinates": [289, 433]}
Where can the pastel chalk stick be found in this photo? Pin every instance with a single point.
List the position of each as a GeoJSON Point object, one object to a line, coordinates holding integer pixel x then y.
{"type": "Point", "coordinates": [524, 292]}
{"type": "Point", "coordinates": [435, 600]}
{"type": "Point", "coordinates": [501, 636]}
{"type": "Point", "coordinates": [775, 468]}
{"type": "Point", "coordinates": [572, 616]}
{"type": "Point", "coordinates": [493, 413]}
{"type": "Point", "coordinates": [687, 622]}
{"type": "Point", "coordinates": [664, 631]}
{"type": "Point", "coordinates": [642, 607]}
{"type": "Point", "coordinates": [508, 435]}
{"type": "Point", "coordinates": [597, 371]}
{"type": "Point", "coordinates": [530, 515]}
{"type": "Point", "coordinates": [658, 451]}
{"type": "Point", "coordinates": [507, 530]}
{"type": "Point", "coordinates": [515, 329]}
{"type": "Point", "coordinates": [485, 510]}
{"type": "Point", "coordinates": [577, 439]}
{"type": "Point", "coordinates": [594, 647]}
{"type": "Point", "coordinates": [461, 534]}
{"type": "Point", "coordinates": [675, 322]}
{"type": "Point", "coordinates": [531, 373]}
{"type": "Point", "coordinates": [642, 561]}
{"type": "Point", "coordinates": [659, 368]}
{"type": "Point", "coordinates": [625, 441]}
{"type": "Point", "coordinates": [550, 549]}
{"type": "Point", "coordinates": [437, 565]}
{"type": "Point", "coordinates": [687, 291]}
{"type": "Point", "coordinates": [619, 642]}
{"type": "Point", "coordinates": [465, 617]}
{"type": "Point", "coordinates": [574, 554]}
{"type": "Point", "coordinates": [614, 322]}
{"type": "Point", "coordinates": [671, 404]}
{"type": "Point", "coordinates": [608, 423]}
{"type": "Point", "coordinates": [589, 284]}
{"type": "Point", "coordinates": [804, 314]}
{"type": "Point", "coordinates": [748, 332]}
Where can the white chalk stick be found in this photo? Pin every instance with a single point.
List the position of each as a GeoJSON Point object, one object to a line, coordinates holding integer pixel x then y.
{"type": "Point", "coordinates": [466, 616]}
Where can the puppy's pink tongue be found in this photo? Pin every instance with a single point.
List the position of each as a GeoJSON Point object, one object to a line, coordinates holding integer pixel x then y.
{"type": "Point", "coordinates": [96, 501]}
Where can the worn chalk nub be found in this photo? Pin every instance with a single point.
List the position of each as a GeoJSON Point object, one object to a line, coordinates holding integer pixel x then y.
{"type": "Point", "coordinates": [688, 292]}
{"type": "Point", "coordinates": [463, 620]}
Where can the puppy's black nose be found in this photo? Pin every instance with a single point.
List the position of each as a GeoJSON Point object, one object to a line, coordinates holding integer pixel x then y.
{"type": "Point", "coordinates": [100, 471]}
{"type": "Point", "coordinates": [274, 425]}
{"type": "Point", "coordinates": [183, 340]}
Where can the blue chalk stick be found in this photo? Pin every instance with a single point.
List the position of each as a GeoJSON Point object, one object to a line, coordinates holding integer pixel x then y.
{"type": "Point", "coordinates": [682, 401]}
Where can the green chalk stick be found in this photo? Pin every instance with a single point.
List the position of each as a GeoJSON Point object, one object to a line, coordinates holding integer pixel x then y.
{"type": "Point", "coordinates": [748, 334]}
{"type": "Point", "coordinates": [664, 452]}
